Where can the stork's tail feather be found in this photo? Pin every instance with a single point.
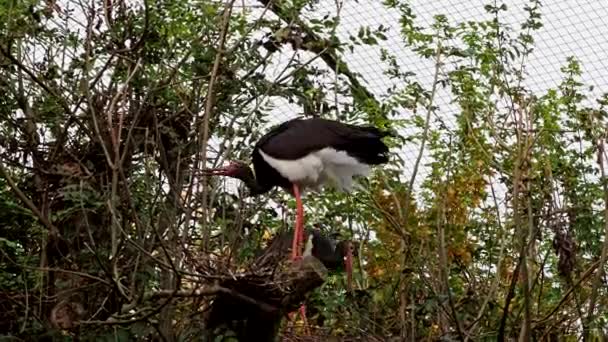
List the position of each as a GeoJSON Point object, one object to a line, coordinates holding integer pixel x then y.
{"type": "Point", "coordinates": [376, 131]}
{"type": "Point", "coordinates": [366, 145]}
{"type": "Point", "coordinates": [370, 150]}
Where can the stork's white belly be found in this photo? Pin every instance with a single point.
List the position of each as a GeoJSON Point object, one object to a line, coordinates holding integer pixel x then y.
{"type": "Point", "coordinates": [323, 167]}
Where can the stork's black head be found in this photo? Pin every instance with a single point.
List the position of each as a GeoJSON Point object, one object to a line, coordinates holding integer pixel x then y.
{"type": "Point", "coordinates": [239, 170]}
{"type": "Point", "coordinates": [343, 246]}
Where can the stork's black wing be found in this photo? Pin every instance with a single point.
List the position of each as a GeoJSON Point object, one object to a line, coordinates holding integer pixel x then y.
{"type": "Point", "coordinates": [299, 137]}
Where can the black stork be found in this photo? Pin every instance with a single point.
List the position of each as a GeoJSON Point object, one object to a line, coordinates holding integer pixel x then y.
{"type": "Point", "coordinates": [302, 154]}
{"type": "Point", "coordinates": [332, 253]}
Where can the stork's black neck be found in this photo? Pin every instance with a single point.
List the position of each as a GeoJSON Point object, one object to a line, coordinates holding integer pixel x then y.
{"type": "Point", "coordinates": [248, 177]}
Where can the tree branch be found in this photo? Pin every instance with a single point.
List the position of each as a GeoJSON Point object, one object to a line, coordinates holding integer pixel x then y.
{"type": "Point", "coordinates": [31, 206]}
{"type": "Point", "coordinates": [214, 290]}
{"type": "Point", "coordinates": [313, 43]}
{"type": "Point", "coordinates": [604, 254]}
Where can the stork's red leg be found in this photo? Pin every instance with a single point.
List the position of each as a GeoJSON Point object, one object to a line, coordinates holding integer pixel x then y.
{"type": "Point", "coordinates": [304, 320]}
{"type": "Point", "coordinates": [298, 234]}
{"type": "Point", "coordinates": [298, 239]}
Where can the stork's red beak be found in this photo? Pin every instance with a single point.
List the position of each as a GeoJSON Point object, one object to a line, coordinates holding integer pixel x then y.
{"type": "Point", "coordinates": [228, 170]}
{"type": "Point", "coordinates": [221, 171]}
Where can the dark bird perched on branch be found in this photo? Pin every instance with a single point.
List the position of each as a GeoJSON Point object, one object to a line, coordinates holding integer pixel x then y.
{"type": "Point", "coordinates": [333, 254]}
{"type": "Point", "coordinates": [303, 154]}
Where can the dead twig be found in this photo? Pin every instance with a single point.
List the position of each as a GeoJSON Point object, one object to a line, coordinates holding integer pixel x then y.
{"type": "Point", "coordinates": [209, 103]}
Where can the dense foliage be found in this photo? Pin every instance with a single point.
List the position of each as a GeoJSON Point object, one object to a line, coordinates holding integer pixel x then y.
{"type": "Point", "coordinates": [110, 109]}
